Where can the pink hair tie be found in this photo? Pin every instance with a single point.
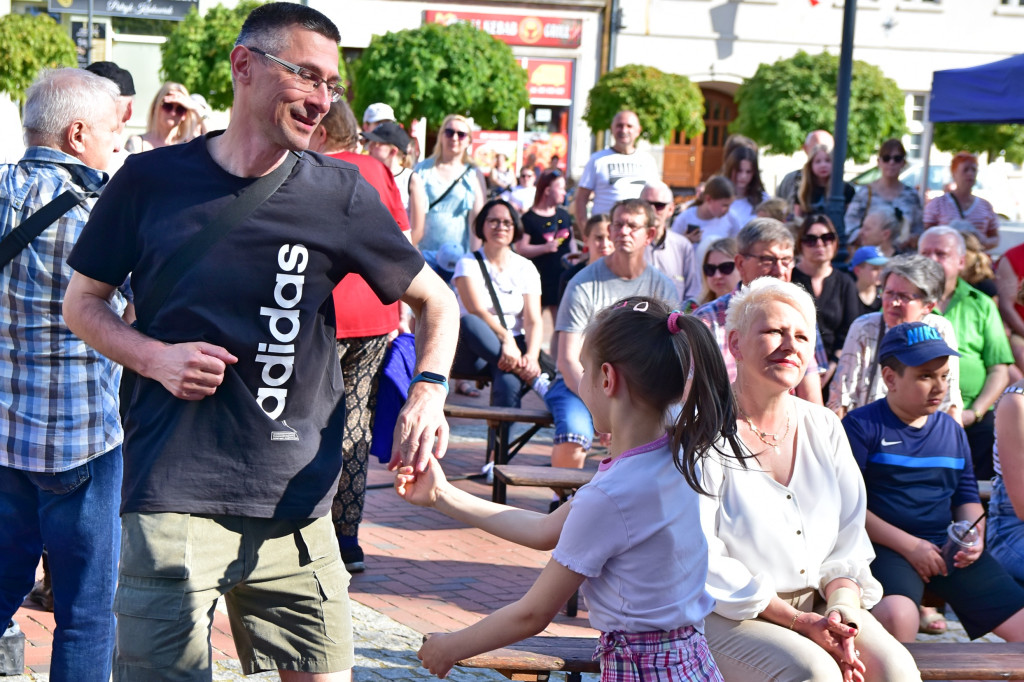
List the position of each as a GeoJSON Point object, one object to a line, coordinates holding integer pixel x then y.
{"type": "Point", "coordinates": [673, 323]}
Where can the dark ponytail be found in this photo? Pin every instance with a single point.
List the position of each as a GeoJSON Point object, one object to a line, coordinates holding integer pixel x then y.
{"type": "Point", "coordinates": [655, 348]}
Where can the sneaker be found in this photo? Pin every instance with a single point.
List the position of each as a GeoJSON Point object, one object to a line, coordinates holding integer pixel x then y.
{"type": "Point", "coordinates": [354, 559]}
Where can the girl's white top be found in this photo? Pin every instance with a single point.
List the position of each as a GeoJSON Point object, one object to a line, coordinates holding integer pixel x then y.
{"type": "Point", "coordinates": [634, 532]}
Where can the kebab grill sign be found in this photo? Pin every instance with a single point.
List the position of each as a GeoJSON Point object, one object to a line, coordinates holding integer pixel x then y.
{"type": "Point", "coordinates": [514, 29]}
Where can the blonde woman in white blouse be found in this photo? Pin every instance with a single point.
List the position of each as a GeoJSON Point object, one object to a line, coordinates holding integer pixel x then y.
{"type": "Point", "coordinates": [788, 553]}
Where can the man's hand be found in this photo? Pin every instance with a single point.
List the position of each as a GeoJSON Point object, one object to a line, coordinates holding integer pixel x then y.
{"type": "Point", "coordinates": [927, 560]}
{"type": "Point", "coordinates": [420, 423]}
{"type": "Point", "coordinates": [190, 371]}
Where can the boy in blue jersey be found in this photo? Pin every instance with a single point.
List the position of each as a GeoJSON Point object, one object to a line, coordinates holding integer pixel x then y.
{"type": "Point", "coordinates": [918, 474]}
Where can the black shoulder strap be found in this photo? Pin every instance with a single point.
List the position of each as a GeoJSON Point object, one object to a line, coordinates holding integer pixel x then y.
{"type": "Point", "coordinates": [436, 201]}
{"type": "Point", "coordinates": [33, 226]}
{"type": "Point", "coordinates": [192, 251]}
{"type": "Point", "coordinates": [490, 288]}
{"type": "Point", "coordinates": [956, 203]}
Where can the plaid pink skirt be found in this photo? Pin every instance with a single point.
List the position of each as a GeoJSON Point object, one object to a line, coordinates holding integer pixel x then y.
{"type": "Point", "coordinates": [681, 655]}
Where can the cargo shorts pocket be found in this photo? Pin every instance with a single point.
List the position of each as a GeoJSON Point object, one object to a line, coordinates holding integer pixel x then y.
{"type": "Point", "coordinates": [155, 545]}
{"type": "Point", "coordinates": [150, 631]}
{"type": "Point", "coordinates": [317, 540]}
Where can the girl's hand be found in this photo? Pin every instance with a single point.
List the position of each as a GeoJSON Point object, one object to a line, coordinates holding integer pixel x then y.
{"type": "Point", "coordinates": [695, 235]}
{"type": "Point", "coordinates": [435, 655]}
{"type": "Point", "coordinates": [421, 489]}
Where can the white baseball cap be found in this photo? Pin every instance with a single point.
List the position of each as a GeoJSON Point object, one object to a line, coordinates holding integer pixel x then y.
{"type": "Point", "coordinates": [377, 112]}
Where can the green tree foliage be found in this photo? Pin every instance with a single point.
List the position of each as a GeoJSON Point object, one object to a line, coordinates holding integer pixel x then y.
{"type": "Point", "coordinates": [30, 44]}
{"type": "Point", "coordinates": [437, 70]}
{"type": "Point", "coordinates": [992, 138]}
{"type": "Point", "coordinates": [197, 50]}
{"type": "Point", "coordinates": [784, 101]}
{"type": "Point", "coordinates": [664, 102]}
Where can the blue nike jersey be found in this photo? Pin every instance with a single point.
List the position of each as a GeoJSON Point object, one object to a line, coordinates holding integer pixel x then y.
{"type": "Point", "coordinates": [914, 476]}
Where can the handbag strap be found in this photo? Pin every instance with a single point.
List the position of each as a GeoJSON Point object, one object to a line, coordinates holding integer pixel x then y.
{"type": "Point", "coordinates": [490, 289]}
{"type": "Point", "coordinates": [438, 200]}
{"type": "Point", "coordinates": [192, 251]}
{"type": "Point", "coordinates": [33, 226]}
{"type": "Point", "coordinates": [874, 363]}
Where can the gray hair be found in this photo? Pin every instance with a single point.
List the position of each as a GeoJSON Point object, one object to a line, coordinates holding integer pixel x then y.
{"type": "Point", "coordinates": [897, 228]}
{"type": "Point", "coordinates": [59, 97]}
{"type": "Point", "coordinates": [940, 230]}
{"type": "Point", "coordinates": [767, 230]}
{"type": "Point", "coordinates": [763, 290]}
{"type": "Point", "coordinates": [923, 273]}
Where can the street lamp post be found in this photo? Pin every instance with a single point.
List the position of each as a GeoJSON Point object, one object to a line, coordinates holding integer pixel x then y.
{"type": "Point", "coordinates": [836, 208]}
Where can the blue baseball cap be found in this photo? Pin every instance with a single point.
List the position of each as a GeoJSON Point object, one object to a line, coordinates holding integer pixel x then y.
{"type": "Point", "coordinates": [870, 255]}
{"type": "Point", "coordinates": [913, 344]}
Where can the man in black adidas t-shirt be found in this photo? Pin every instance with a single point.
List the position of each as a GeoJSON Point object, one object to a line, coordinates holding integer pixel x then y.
{"type": "Point", "coordinates": [233, 443]}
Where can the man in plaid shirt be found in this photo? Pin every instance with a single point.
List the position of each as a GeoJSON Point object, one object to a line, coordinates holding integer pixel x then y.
{"type": "Point", "coordinates": [60, 435]}
{"type": "Point", "coordinates": [765, 249]}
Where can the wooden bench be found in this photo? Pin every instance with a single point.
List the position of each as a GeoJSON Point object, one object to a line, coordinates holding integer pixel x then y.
{"type": "Point", "coordinates": [529, 475]}
{"type": "Point", "coordinates": [500, 448]}
{"type": "Point", "coordinates": [536, 658]}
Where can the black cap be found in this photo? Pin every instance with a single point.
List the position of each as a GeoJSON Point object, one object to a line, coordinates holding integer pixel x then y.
{"type": "Point", "coordinates": [391, 133]}
{"type": "Point", "coordinates": [112, 71]}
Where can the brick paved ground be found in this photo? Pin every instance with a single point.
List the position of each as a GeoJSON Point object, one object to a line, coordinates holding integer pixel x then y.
{"type": "Point", "coordinates": [425, 573]}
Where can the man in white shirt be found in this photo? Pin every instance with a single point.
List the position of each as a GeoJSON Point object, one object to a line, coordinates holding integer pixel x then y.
{"type": "Point", "coordinates": [617, 173]}
{"type": "Point", "coordinates": [670, 252]}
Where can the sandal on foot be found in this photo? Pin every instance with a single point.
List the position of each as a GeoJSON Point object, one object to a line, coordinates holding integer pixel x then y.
{"type": "Point", "coordinates": [467, 388]}
{"type": "Point", "coordinates": [932, 623]}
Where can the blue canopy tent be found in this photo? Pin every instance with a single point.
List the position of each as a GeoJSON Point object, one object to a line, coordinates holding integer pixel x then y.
{"type": "Point", "coordinates": [988, 93]}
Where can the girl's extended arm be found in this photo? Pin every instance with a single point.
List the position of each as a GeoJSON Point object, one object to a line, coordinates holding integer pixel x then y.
{"type": "Point", "coordinates": [519, 620]}
{"type": "Point", "coordinates": [431, 489]}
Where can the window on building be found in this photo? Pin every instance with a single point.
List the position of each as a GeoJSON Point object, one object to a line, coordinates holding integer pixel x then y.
{"type": "Point", "coordinates": [917, 108]}
{"type": "Point", "coordinates": [914, 146]}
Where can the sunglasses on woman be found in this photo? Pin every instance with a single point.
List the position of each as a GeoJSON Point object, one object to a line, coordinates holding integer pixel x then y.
{"type": "Point", "coordinates": [172, 108]}
{"type": "Point", "coordinates": [451, 134]}
{"type": "Point", "coordinates": [724, 268]}
{"type": "Point", "coordinates": [893, 158]}
{"type": "Point", "coordinates": [812, 239]}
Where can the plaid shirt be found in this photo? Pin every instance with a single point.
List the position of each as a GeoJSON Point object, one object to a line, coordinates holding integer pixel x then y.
{"type": "Point", "coordinates": [713, 315]}
{"type": "Point", "coordinates": [58, 396]}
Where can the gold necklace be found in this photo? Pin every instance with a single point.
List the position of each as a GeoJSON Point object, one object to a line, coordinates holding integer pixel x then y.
{"type": "Point", "coordinates": [763, 436]}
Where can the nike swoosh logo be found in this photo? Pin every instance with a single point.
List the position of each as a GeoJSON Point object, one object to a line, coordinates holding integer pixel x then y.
{"type": "Point", "coordinates": [890, 442]}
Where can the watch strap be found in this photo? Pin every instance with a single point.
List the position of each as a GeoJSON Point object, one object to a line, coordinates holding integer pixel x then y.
{"type": "Point", "coordinates": [430, 378]}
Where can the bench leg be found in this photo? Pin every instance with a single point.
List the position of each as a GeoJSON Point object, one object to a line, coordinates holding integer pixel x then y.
{"type": "Point", "coordinates": [498, 493]}
{"type": "Point", "coordinates": [572, 606]}
{"type": "Point", "coordinates": [574, 677]}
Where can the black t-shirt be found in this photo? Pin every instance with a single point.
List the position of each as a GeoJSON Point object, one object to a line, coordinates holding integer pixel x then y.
{"type": "Point", "coordinates": [268, 442]}
{"type": "Point", "coordinates": [838, 306]}
{"type": "Point", "coordinates": [540, 230]}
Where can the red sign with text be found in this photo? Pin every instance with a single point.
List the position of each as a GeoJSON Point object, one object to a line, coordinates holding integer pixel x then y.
{"type": "Point", "coordinates": [517, 29]}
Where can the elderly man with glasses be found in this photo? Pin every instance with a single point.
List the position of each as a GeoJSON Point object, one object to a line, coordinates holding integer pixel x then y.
{"type": "Point", "coordinates": [670, 252]}
{"type": "Point", "coordinates": [235, 422]}
{"type": "Point", "coordinates": [765, 249]}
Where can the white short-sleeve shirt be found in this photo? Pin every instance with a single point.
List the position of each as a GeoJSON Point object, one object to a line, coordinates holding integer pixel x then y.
{"type": "Point", "coordinates": [634, 532]}
{"type": "Point", "coordinates": [518, 278]}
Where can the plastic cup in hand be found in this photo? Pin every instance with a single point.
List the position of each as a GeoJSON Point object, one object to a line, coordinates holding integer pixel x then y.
{"type": "Point", "coordinates": [958, 537]}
